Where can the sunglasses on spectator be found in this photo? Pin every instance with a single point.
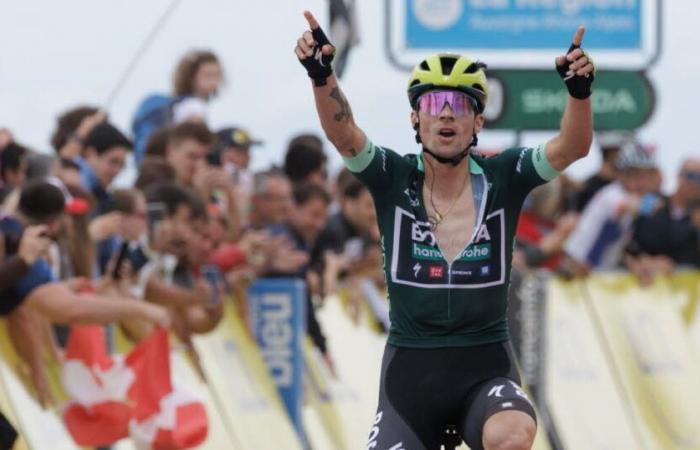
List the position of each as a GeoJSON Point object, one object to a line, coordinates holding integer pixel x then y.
{"type": "Point", "coordinates": [692, 176]}
{"type": "Point", "coordinates": [433, 102]}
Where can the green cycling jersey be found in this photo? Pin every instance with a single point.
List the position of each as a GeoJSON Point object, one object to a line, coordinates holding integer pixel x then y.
{"type": "Point", "coordinates": [435, 303]}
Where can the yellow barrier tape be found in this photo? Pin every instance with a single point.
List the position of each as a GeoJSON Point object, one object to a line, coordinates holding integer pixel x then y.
{"type": "Point", "coordinates": [39, 428]}
{"type": "Point", "coordinates": [651, 353]}
{"type": "Point", "coordinates": [585, 403]}
{"type": "Point", "coordinates": [244, 391]}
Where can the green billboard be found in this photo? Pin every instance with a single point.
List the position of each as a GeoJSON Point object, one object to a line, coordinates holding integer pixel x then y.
{"type": "Point", "coordinates": [536, 99]}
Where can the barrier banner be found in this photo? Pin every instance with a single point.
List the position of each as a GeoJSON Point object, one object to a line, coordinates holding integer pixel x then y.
{"type": "Point", "coordinates": [687, 285]}
{"type": "Point", "coordinates": [526, 317]}
{"type": "Point", "coordinates": [38, 428]}
{"type": "Point", "coordinates": [651, 352]}
{"type": "Point", "coordinates": [582, 395]}
{"type": "Point", "coordinates": [241, 386]}
{"type": "Point", "coordinates": [357, 350]}
{"type": "Point", "coordinates": [277, 316]}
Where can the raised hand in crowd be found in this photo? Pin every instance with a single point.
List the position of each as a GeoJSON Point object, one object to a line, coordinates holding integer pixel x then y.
{"type": "Point", "coordinates": [33, 244]}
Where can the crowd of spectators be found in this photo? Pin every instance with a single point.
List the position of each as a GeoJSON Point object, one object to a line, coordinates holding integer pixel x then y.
{"type": "Point", "coordinates": [618, 219]}
{"type": "Point", "coordinates": [76, 249]}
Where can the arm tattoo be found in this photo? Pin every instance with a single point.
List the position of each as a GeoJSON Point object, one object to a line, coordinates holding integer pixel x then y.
{"type": "Point", "coordinates": [345, 113]}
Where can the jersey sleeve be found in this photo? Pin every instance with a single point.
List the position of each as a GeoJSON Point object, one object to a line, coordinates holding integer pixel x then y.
{"type": "Point", "coordinates": [374, 166]}
{"type": "Point", "coordinates": [527, 168]}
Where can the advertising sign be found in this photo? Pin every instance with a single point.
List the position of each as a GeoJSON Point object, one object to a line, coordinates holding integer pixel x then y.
{"type": "Point", "coordinates": [523, 33]}
{"type": "Point", "coordinates": [277, 310]}
{"type": "Point", "coordinates": [536, 100]}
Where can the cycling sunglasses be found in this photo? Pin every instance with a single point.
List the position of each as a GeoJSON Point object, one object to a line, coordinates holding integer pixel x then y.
{"type": "Point", "coordinates": [433, 102]}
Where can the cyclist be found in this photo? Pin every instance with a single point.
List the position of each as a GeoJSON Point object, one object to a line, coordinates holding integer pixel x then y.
{"type": "Point", "coordinates": [447, 218]}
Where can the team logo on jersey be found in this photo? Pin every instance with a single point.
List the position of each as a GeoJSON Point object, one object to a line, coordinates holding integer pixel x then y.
{"type": "Point", "coordinates": [480, 264]}
{"type": "Point", "coordinates": [476, 252]}
{"type": "Point", "coordinates": [416, 270]}
{"type": "Point", "coordinates": [426, 252]}
{"type": "Point", "coordinates": [436, 271]}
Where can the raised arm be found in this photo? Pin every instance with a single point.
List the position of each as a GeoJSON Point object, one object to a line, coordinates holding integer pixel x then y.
{"type": "Point", "coordinates": [315, 53]}
{"type": "Point", "coordinates": [576, 130]}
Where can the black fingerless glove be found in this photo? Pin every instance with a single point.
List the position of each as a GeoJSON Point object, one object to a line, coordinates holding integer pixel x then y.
{"type": "Point", "coordinates": [579, 86]}
{"type": "Point", "coordinates": [318, 66]}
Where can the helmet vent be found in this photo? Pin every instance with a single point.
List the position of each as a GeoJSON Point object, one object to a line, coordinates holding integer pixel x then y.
{"type": "Point", "coordinates": [447, 63]}
{"type": "Point", "coordinates": [479, 87]}
{"type": "Point", "coordinates": [472, 68]}
{"type": "Point", "coordinates": [424, 65]}
{"type": "Point", "coordinates": [414, 82]}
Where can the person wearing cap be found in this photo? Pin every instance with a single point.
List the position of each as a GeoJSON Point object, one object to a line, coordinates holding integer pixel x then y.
{"type": "Point", "coordinates": [447, 218]}
{"type": "Point", "coordinates": [234, 147]}
{"type": "Point", "coordinates": [604, 227]}
{"type": "Point", "coordinates": [233, 152]}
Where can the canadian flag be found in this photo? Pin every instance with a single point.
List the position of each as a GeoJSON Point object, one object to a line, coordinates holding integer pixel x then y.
{"type": "Point", "coordinates": [115, 397]}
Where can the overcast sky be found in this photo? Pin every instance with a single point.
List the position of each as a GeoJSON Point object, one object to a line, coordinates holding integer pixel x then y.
{"type": "Point", "coordinates": [60, 54]}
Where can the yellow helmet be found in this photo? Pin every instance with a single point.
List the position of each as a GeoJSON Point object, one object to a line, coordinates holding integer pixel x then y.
{"type": "Point", "coordinates": [451, 71]}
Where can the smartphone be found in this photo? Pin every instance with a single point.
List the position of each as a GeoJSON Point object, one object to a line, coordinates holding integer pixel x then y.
{"type": "Point", "coordinates": [121, 257]}
{"type": "Point", "coordinates": [212, 275]}
{"type": "Point", "coordinates": [155, 212]}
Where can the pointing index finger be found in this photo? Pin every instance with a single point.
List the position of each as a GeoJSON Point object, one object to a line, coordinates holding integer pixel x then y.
{"type": "Point", "coordinates": [313, 23]}
{"type": "Point", "coordinates": [578, 37]}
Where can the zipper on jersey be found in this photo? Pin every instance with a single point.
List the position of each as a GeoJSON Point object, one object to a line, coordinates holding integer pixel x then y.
{"type": "Point", "coordinates": [449, 289]}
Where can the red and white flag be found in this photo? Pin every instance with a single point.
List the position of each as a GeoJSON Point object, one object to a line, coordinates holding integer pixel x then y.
{"type": "Point", "coordinates": [116, 397]}
{"type": "Point", "coordinates": [97, 383]}
{"type": "Point", "coordinates": [167, 416]}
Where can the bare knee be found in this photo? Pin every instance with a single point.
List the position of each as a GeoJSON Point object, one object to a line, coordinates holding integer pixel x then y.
{"type": "Point", "coordinates": [509, 430]}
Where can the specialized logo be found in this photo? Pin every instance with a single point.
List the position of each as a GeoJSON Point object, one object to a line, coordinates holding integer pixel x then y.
{"type": "Point", "coordinates": [416, 270]}
{"type": "Point", "coordinates": [496, 391]}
